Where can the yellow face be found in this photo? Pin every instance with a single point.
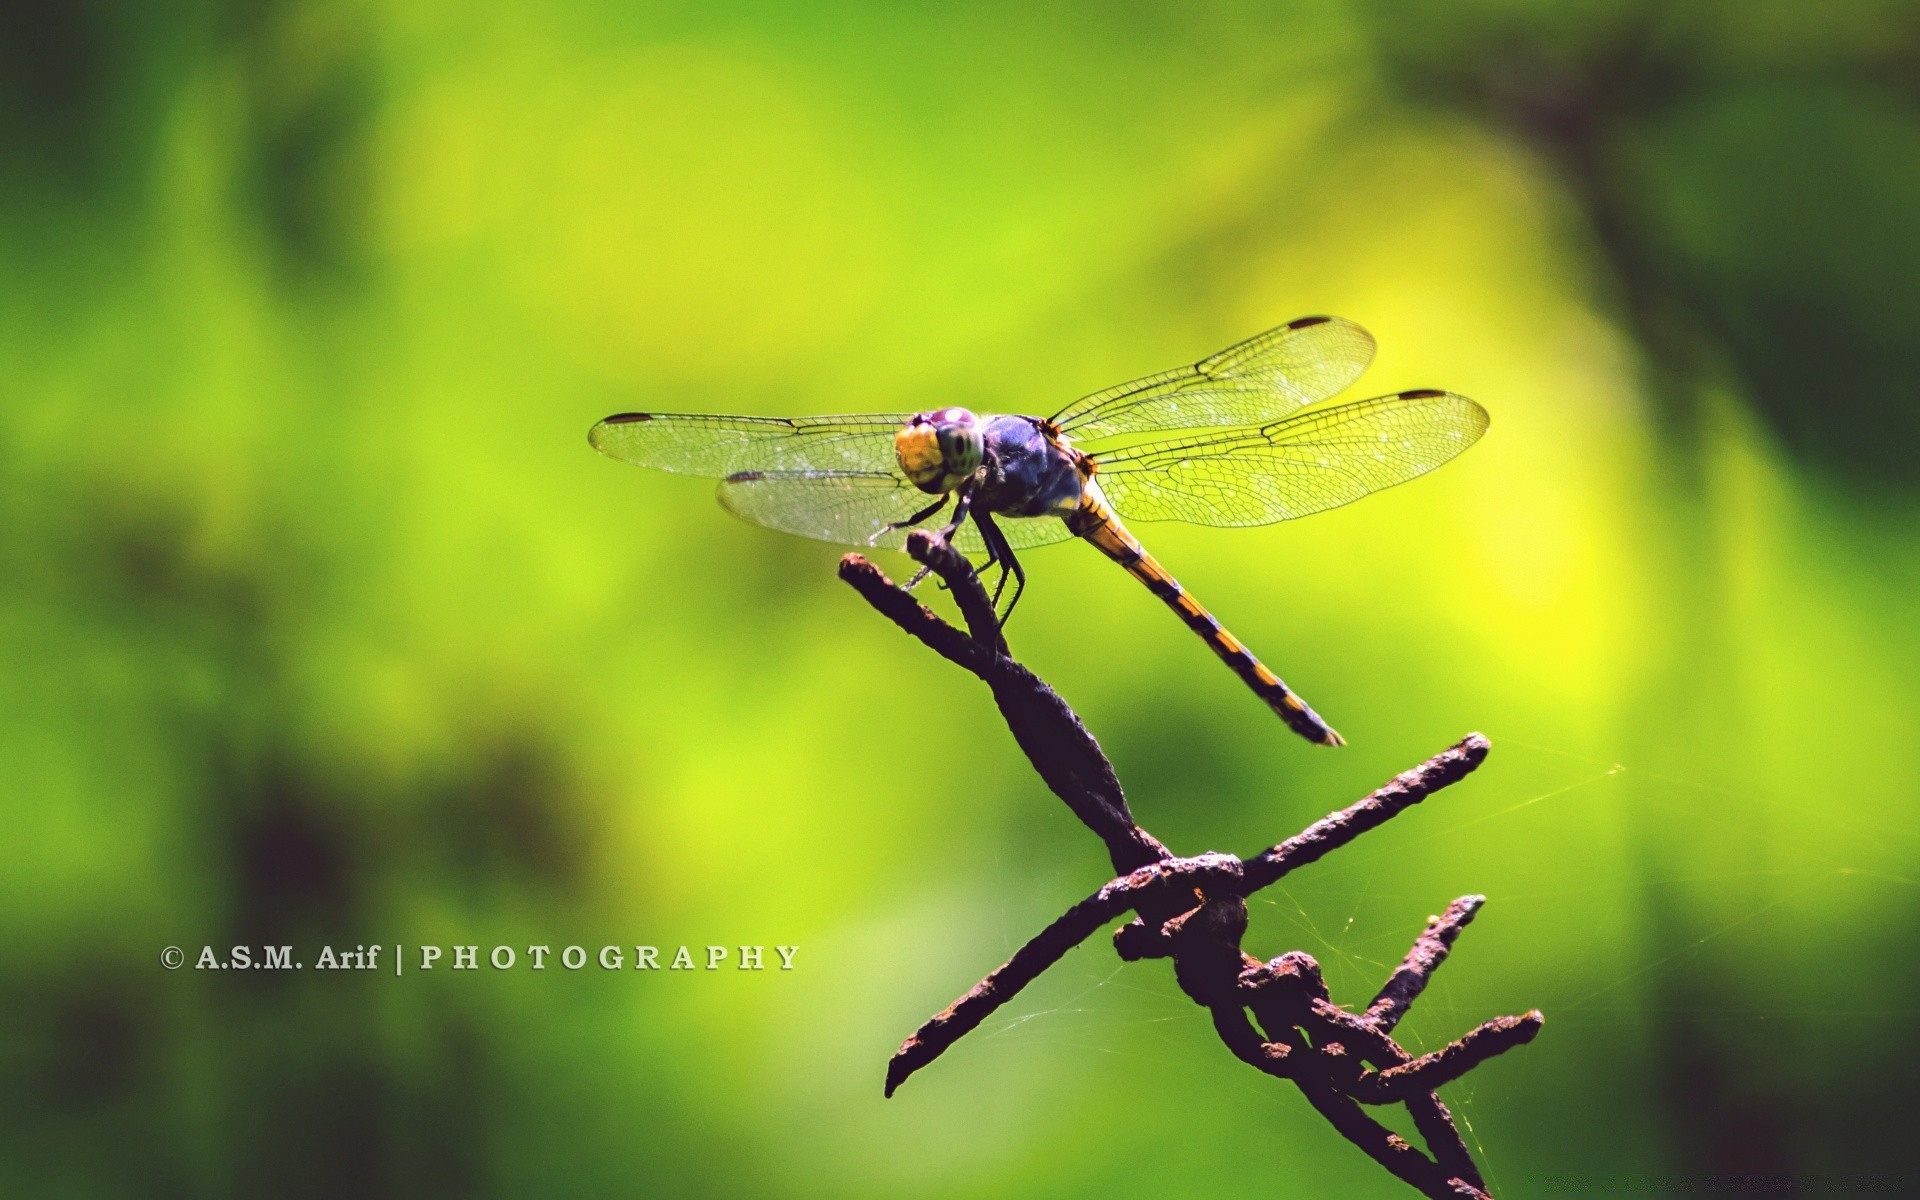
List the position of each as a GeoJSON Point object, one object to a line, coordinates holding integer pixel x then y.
{"type": "Point", "coordinates": [940, 450]}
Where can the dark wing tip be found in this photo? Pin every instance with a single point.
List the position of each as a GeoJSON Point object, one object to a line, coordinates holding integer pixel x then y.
{"type": "Point", "coordinates": [1351, 327]}
{"type": "Point", "coordinates": [596, 436]}
{"type": "Point", "coordinates": [1422, 394]}
{"type": "Point", "coordinates": [744, 477]}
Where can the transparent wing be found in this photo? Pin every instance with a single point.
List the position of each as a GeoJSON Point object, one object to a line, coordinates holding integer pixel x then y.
{"type": "Point", "coordinates": [1264, 377]}
{"type": "Point", "coordinates": [716, 447]}
{"type": "Point", "coordinates": [1305, 464]}
{"type": "Point", "coordinates": [1023, 533]}
{"type": "Point", "coordinates": [849, 507]}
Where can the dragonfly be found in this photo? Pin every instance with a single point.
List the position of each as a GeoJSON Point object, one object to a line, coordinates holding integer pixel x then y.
{"type": "Point", "coordinates": [1257, 447]}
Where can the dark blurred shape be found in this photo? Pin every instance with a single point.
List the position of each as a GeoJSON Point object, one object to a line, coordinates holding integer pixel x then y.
{"type": "Point", "coordinates": [295, 864]}
{"type": "Point", "coordinates": [1752, 194]}
{"type": "Point", "coordinates": [1740, 1128]}
{"type": "Point", "coordinates": [509, 817]}
{"type": "Point", "coordinates": [53, 88]}
{"type": "Point", "coordinates": [94, 1044]}
{"type": "Point", "coordinates": [323, 1138]}
{"type": "Point", "coordinates": [138, 545]}
{"type": "Point", "coordinates": [310, 104]}
{"type": "Point", "coordinates": [87, 90]}
{"type": "Point", "coordinates": [1786, 215]}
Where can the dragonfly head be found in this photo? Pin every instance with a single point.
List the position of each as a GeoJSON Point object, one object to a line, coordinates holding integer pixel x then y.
{"type": "Point", "coordinates": [940, 450]}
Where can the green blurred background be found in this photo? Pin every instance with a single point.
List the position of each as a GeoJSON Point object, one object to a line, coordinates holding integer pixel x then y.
{"type": "Point", "coordinates": [319, 621]}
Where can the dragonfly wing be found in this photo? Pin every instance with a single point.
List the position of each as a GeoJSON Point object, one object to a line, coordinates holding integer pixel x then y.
{"type": "Point", "coordinates": [846, 507]}
{"type": "Point", "coordinates": [1023, 533]}
{"type": "Point", "coordinates": [1305, 464]}
{"type": "Point", "coordinates": [1265, 377]}
{"type": "Point", "coordinates": [850, 508]}
{"type": "Point", "coordinates": [716, 446]}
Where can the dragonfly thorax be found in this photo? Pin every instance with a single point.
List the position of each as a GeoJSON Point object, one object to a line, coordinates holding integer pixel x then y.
{"type": "Point", "coordinates": [1031, 471]}
{"type": "Point", "coordinates": [940, 450]}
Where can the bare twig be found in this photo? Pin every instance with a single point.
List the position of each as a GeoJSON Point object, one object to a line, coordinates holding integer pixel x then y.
{"type": "Point", "coordinates": [976, 608]}
{"type": "Point", "coordinates": [1406, 790]}
{"type": "Point", "coordinates": [1450, 1062]}
{"type": "Point", "coordinates": [1074, 926]}
{"type": "Point", "coordinates": [1193, 911]}
{"type": "Point", "coordinates": [1051, 734]}
{"type": "Point", "coordinates": [1429, 951]}
{"type": "Point", "coordinates": [903, 610]}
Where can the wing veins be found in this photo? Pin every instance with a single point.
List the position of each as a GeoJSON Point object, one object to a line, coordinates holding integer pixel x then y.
{"type": "Point", "coordinates": [717, 446]}
{"type": "Point", "coordinates": [1293, 467]}
{"type": "Point", "coordinates": [1254, 381]}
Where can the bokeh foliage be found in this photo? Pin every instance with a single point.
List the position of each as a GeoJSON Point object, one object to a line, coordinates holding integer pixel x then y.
{"type": "Point", "coordinates": [319, 621]}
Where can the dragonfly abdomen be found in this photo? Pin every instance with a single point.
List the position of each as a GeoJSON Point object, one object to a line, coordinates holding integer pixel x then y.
{"type": "Point", "coordinates": [1096, 522]}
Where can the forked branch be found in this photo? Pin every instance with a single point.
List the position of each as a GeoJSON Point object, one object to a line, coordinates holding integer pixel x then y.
{"type": "Point", "coordinates": [1274, 1015]}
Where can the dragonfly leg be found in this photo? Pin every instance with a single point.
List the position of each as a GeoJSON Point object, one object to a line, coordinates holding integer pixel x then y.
{"type": "Point", "coordinates": [947, 536]}
{"type": "Point", "coordinates": [910, 522]}
{"type": "Point", "coordinates": [992, 559]}
{"type": "Point", "coordinates": [997, 556]}
{"type": "Point", "coordinates": [1019, 586]}
{"type": "Point", "coordinates": [960, 511]}
{"type": "Point", "coordinates": [1000, 551]}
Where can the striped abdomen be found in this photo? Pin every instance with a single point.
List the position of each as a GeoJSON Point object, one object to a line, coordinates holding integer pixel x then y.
{"type": "Point", "coordinates": [1094, 521]}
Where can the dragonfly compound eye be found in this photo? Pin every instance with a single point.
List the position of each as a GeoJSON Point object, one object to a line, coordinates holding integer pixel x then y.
{"type": "Point", "coordinates": [939, 450]}
{"type": "Point", "coordinates": [962, 447]}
